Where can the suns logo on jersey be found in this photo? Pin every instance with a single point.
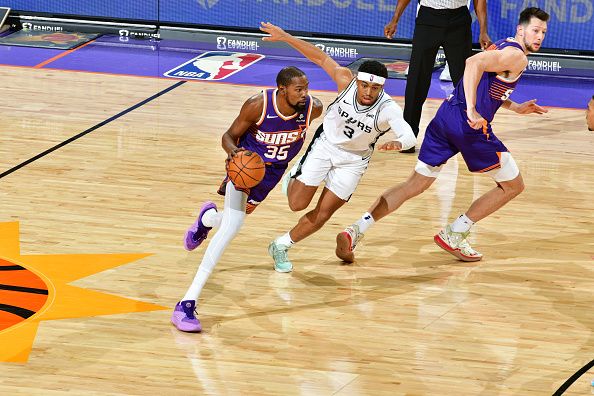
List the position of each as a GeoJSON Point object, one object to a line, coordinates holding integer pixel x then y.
{"type": "Point", "coordinates": [278, 138]}
{"type": "Point", "coordinates": [213, 65]}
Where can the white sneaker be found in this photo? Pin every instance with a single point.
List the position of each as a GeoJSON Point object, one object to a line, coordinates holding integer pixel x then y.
{"type": "Point", "coordinates": [346, 242]}
{"type": "Point", "coordinates": [456, 244]}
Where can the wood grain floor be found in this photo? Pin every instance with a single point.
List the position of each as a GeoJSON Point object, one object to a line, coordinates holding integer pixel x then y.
{"type": "Point", "coordinates": [405, 319]}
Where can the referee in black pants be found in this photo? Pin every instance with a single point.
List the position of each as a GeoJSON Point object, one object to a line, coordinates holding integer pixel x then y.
{"type": "Point", "coordinates": [444, 23]}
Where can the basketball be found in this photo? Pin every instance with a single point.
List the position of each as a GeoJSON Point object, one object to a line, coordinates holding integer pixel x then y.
{"type": "Point", "coordinates": [246, 169]}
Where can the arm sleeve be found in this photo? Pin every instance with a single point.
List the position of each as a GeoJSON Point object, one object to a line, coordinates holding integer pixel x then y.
{"type": "Point", "coordinates": [391, 118]}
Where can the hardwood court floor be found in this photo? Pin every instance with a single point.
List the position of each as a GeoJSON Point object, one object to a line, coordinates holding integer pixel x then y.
{"type": "Point", "coordinates": [405, 319]}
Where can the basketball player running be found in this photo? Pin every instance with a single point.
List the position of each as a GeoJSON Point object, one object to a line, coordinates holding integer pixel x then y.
{"type": "Point", "coordinates": [341, 148]}
{"type": "Point", "coordinates": [462, 124]}
{"type": "Point", "coordinates": [273, 124]}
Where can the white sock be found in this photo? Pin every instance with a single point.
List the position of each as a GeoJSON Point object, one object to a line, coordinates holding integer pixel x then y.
{"type": "Point", "coordinates": [212, 218]}
{"type": "Point", "coordinates": [462, 224]}
{"type": "Point", "coordinates": [284, 240]}
{"type": "Point", "coordinates": [365, 222]}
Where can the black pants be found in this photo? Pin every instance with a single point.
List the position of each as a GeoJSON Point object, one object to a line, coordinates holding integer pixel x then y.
{"type": "Point", "coordinates": [449, 29]}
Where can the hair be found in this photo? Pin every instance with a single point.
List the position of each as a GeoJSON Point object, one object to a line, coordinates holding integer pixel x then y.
{"type": "Point", "coordinates": [287, 74]}
{"type": "Point", "coordinates": [528, 13]}
{"type": "Point", "coordinates": [374, 67]}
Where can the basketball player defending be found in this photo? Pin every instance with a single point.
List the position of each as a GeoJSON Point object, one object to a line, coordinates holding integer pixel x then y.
{"type": "Point", "coordinates": [341, 148]}
{"type": "Point", "coordinates": [273, 124]}
{"type": "Point", "coordinates": [462, 124]}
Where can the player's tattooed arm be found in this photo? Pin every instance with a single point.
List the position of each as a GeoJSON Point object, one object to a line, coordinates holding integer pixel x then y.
{"type": "Point", "coordinates": [250, 114]}
{"type": "Point", "coordinates": [318, 108]}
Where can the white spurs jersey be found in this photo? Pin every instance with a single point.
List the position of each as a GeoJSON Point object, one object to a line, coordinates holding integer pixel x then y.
{"type": "Point", "coordinates": [356, 128]}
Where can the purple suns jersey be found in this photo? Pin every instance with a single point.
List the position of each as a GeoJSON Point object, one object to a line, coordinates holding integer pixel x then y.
{"type": "Point", "coordinates": [492, 89]}
{"type": "Point", "coordinates": [276, 138]}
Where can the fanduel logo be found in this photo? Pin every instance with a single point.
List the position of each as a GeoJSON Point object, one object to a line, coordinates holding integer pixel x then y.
{"type": "Point", "coordinates": [543, 65]}
{"type": "Point", "coordinates": [48, 28]}
{"type": "Point", "coordinates": [338, 52]}
{"type": "Point", "coordinates": [45, 28]}
{"type": "Point", "coordinates": [223, 43]}
{"type": "Point", "coordinates": [206, 4]}
{"type": "Point", "coordinates": [130, 33]}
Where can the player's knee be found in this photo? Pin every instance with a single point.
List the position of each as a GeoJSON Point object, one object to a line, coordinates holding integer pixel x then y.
{"type": "Point", "coordinates": [518, 187]}
{"type": "Point", "coordinates": [296, 205]}
{"type": "Point", "coordinates": [233, 224]}
{"type": "Point", "coordinates": [319, 217]}
{"type": "Point", "coordinates": [414, 188]}
{"type": "Point", "coordinates": [514, 187]}
{"type": "Point", "coordinates": [421, 188]}
{"type": "Point", "coordinates": [324, 216]}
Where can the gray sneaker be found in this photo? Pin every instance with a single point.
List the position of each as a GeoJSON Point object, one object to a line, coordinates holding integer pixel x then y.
{"type": "Point", "coordinates": [456, 243]}
{"type": "Point", "coordinates": [278, 252]}
{"type": "Point", "coordinates": [346, 242]}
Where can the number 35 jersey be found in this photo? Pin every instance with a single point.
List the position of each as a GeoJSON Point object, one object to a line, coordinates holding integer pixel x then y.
{"type": "Point", "coordinates": [275, 137]}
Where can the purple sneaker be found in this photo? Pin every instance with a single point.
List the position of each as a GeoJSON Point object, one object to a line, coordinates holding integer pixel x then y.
{"type": "Point", "coordinates": [198, 232]}
{"type": "Point", "coordinates": [183, 317]}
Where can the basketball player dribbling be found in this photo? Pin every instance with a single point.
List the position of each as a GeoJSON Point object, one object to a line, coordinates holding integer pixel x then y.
{"type": "Point", "coordinates": [462, 125]}
{"type": "Point", "coordinates": [341, 148]}
{"type": "Point", "coordinates": [273, 124]}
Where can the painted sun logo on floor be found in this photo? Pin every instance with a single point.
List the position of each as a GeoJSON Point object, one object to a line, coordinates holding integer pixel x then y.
{"type": "Point", "coordinates": [35, 288]}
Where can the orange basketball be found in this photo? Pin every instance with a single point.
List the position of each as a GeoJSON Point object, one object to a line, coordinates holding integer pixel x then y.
{"type": "Point", "coordinates": [246, 169]}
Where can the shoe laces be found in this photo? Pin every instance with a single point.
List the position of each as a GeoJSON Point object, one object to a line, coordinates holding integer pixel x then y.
{"type": "Point", "coordinates": [189, 312]}
{"type": "Point", "coordinates": [356, 236]}
{"type": "Point", "coordinates": [279, 254]}
{"type": "Point", "coordinates": [456, 239]}
{"type": "Point", "coordinates": [459, 240]}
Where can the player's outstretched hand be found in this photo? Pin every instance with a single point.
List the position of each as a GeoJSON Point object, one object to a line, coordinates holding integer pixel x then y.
{"type": "Point", "coordinates": [530, 107]}
{"type": "Point", "coordinates": [276, 33]}
{"type": "Point", "coordinates": [475, 120]}
{"type": "Point", "coordinates": [390, 146]}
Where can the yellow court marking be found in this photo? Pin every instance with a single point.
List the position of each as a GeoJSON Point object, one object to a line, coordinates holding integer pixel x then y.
{"type": "Point", "coordinates": [64, 301]}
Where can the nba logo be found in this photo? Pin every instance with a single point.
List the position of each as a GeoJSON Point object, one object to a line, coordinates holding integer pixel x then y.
{"type": "Point", "coordinates": [213, 65]}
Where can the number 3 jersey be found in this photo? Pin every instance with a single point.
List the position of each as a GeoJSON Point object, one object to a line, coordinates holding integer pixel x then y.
{"type": "Point", "coordinates": [275, 137]}
{"type": "Point", "coordinates": [492, 89]}
{"type": "Point", "coordinates": [356, 128]}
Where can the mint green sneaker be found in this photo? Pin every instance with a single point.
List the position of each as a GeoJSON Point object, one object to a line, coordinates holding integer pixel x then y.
{"type": "Point", "coordinates": [287, 179]}
{"type": "Point", "coordinates": [285, 184]}
{"type": "Point", "coordinates": [279, 254]}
